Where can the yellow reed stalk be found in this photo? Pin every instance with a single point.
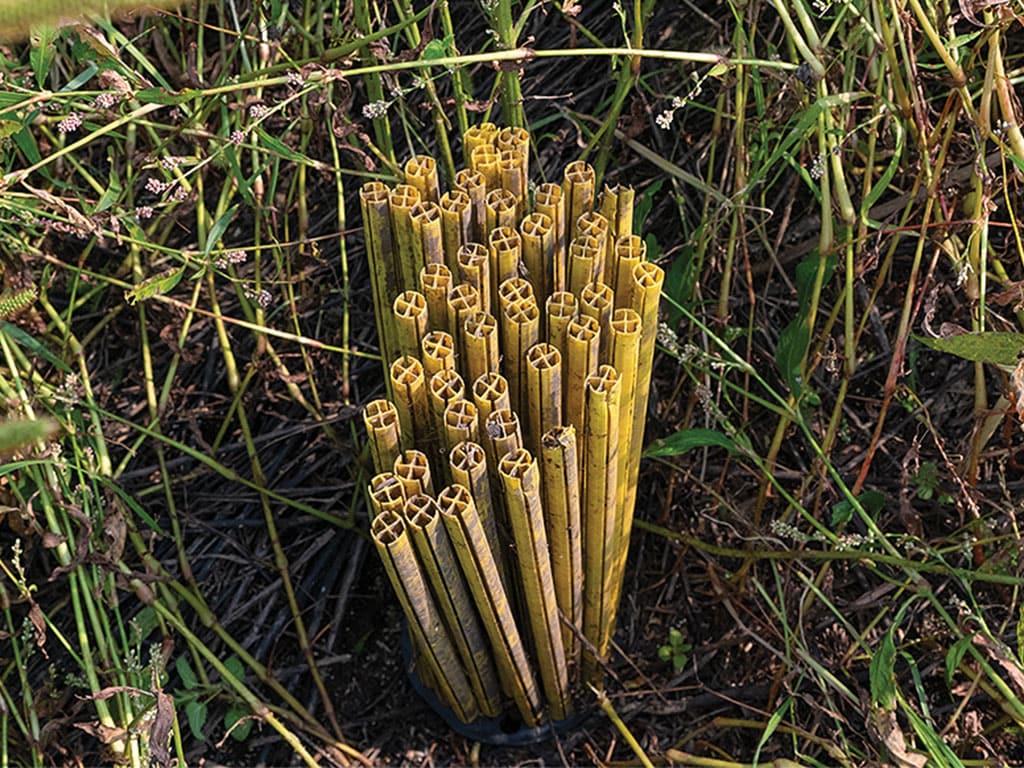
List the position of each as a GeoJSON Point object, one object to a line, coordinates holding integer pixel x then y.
{"type": "Point", "coordinates": [475, 269]}
{"type": "Point", "coordinates": [600, 467]}
{"type": "Point", "coordinates": [409, 387]}
{"type": "Point", "coordinates": [543, 392]}
{"type": "Point", "coordinates": [383, 431]}
{"type": "Point", "coordinates": [502, 435]}
{"type": "Point", "coordinates": [435, 284]}
{"type": "Point", "coordinates": [514, 138]}
{"type": "Point", "coordinates": [409, 310]}
{"type": "Point", "coordinates": [617, 206]}
{"type": "Point", "coordinates": [402, 200]}
{"type": "Point", "coordinates": [437, 351]}
{"type": "Point", "coordinates": [629, 251]}
{"type": "Point", "coordinates": [374, 202]}
{"type": "Point", "coordinates": [521, 482]}
{"type": "Point", "coordinates": [513, 290]}
{"type": "Point", "coordinates": [578, 191]}
{"type": "Point", "coordinates": [583, 262]}
{"type": "Point", "coordinates": [505, 249]}
{"type": "Point", "coordinates": [444, 388]}
{"type": "Point", "coordinates": [462, 302]}
{"type": "Point", "coordinates": [467, 462]}
{"type": "Point", "coordinates": [456, 225]}
{"type": "Point", "coordinates": [644, 295]}
{"type": "Point", "coordinates": [480, 340]}
{"type": "Point", "coordinates": [452, 595]}
{"type": "Point", "coordinates": [412, 469]}
{"type": "Point", "coordinates": [594, 224]}
{"type": "Point", "coordinates": [538, 252]}
{"type": "Point", "coordinates": [547, 200]}
{"type": "Point", "coordinates": [511, 173]}
{"type": "Point", "coordinates": [520, 328]}
{"type": "Point", "coordinates": [421, 172]}
{"type": "Point", "coordinates": [598, 301]}
{"type": "Point", "coordinates": [461, 423]}
{"type": "Point", "coordinates": [386, 493]}
{"type": "Point", "coordinates": [502, 210]}
{"type": "Point", "coordinates": [560, 308]}
{"type": "Point", "coordinates": [481, 570]}
{"type": "Point", "coordinates": [427, 236]}
{"type": "Point", "coordinates": [428, 632]}
{"type": "Point", "coordinates": [582, 344]}
{"type": "Point", "coordinates": [490, 393]}
{"type": "Point", "coordinates": [624, 356]}
{"type": "Point", "coordinates": [474, 185]}
{"type": "Point", "coordinates": [560, 483]}
{"type": "Point", "coordinates": [485, 160]}
{"type": "Point", "coordinates": [478, 135]}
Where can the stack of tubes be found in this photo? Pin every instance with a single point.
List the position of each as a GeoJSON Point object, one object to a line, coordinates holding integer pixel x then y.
{"type": "Point", "coordinates": [518, 341]}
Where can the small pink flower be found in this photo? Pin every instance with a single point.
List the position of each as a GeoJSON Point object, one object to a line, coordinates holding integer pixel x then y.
{"type": "Point", "coordinates": [105, 100]}
{"type": "Point", "coordinates": [256, 111]}
{"type": "Point", "coordinates": [70, 124]}
{"type": "Point", "coordinates": [170, 162]}
{"type": "Point", "coordinates": [155, 186]}
{"type": "Point", "coordinates": [237, 137]}
{"type": "Point", "coordinates": [143, 211]}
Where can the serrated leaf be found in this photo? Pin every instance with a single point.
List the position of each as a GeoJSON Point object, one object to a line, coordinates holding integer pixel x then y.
{"type": "Point", "coordinates": [882, 674]}
{"type": "Point", "coordinates": [188, 677]}
{"type": "Point", "coordinates": [235, 713]}
{"type": "Point", "coordinates": [196, 712]}
{"type": "Point", "coordinates": [983, 347]}
{"type": "Point", "coordinates": [687, 439]}
{"type": "Point", "coordinates": [157, 285]}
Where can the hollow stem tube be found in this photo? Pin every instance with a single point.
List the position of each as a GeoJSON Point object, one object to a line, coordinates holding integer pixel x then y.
{"type": "Point", "coordinates": [521, 482]}
{"type": "Point", "coordinates": [435, 285]}
{"type": "Point", "coordinates": [462, 522]}
{"type": "Point", "coordinates": [600, 466]}
{"type": "Point", "coordinates": [560, 483]}
{"type": "Point", "coordinates": [452, 595]}
{"type": "Point", "coordinates": [430, 638]}
{"type": "Point", "coordinates": [384, 433]}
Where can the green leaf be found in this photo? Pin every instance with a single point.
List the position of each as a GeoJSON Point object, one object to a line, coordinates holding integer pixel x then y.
{"type": "Point", "coordinates": [22, 432]}
{"type": "Point", "coordinates": [680, 279]}
{"type": "Point", "coordinates": [665, 652]}
{"type": "Point", "coordinates": [217, 230]}
{"type": "Point", "coordinates": [880, 186]}
{"type": "Point", "coordinates": [435, 49]}
{"type": "Point", "coordinates": [43, 53]}
{"type": "Point", "coordinates": [687, 439]}
{"type": "Point", "coordinates": [157, 285]}
{"type": "Point", "coordinates": [188, 677]}
{"type": "Point", "coordinates": [34, 346]}
{"type": "Point", "coordinates": [955, 655]}
{"type": "Point", "coordinates": [8, 128]}
{"type": "Point", "coordinates": [675, 638]}
{"type": "Point", "coordinates": [113, 191]}
{"type": "Point", "coordinates": [871, 501]}
{"type": "Point", "coordinates": [196, 712]}
{"type": "Point", "coordinates": [235, 713]}
{"type": "Point", "coordinates": [984, 347]}
{"type": "Point", "coordinates": [882, 674]}
{"type": "Point", "coordinates": [793, 343]}
{"type": "Point", "coordinates": [278, 147]}
{"type": "Point", "coordinates": [235, 667]}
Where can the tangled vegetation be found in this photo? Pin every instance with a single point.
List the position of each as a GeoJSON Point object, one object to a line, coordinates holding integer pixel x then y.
{"type": "Point", "coordinates": [825, 565]}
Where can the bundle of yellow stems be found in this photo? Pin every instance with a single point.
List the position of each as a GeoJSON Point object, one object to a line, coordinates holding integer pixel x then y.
{"type": "Point", "coordinates": [517, 333]}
